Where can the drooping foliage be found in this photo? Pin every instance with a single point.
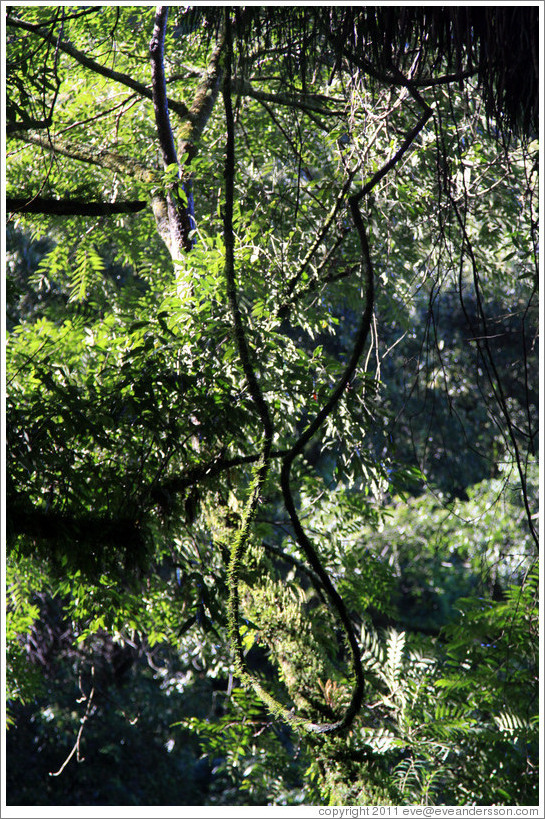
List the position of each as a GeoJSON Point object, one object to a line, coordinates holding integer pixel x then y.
{"type": "Point", "coordinates": [497, 44]}
{"type": "Point", "coordinates": [272, 403]}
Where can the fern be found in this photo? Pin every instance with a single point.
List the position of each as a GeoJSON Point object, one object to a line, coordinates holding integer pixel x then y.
{"type": "Point", "coordinates": [88, 265]}
{"type": "Point", "coordinates": [60, 264]}
{"type": "Point", "coordinates": [410, 775]}
{"type": "Point", "coordinates": [381, 740]}
{"type": "Point", "coordinates": [372, 655]}
{"type": "Point", "coordinates": [395, 646]}
{"type": "Point", "coordinates": [54, 265]}
{"type": "Point", "coordinates": [451, 721]}
{"type": "Point", "coordinates": [513, 725]}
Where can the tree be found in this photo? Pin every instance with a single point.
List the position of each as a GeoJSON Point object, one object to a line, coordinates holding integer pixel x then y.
{"type": "Point", "coordinates": [186, 384]}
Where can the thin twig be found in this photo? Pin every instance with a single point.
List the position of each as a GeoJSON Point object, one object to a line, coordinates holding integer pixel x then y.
{"type": "Point", "coordinates": [76, 748]}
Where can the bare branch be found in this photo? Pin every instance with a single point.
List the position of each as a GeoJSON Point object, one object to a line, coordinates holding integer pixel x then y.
{"type": "Point", "coordinates": [320, 237]}
{"type": "Point", "coordinates": [28, 125]}
{"type": "Point", "coordinates": [76, 748]}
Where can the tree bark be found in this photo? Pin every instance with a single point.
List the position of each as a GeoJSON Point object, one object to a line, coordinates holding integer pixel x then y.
{"type": "Point", "coordinates": [181, 220]}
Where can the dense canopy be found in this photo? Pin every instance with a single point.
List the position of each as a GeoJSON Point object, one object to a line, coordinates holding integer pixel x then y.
{"type": "Point", "coordinates": [272, 401]}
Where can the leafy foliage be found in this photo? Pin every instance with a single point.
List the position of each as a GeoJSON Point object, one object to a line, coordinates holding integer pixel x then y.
{"type": "Point", "coordinates": [133, 429]}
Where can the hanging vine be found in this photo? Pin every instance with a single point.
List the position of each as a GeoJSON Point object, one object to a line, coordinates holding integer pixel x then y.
{"type": "Point", "coordinates": [261, 470]}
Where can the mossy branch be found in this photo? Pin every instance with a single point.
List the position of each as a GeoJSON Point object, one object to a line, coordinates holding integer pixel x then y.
{"type": "Point", "coordinates": [90, 155]}
{"type": "Point", "coordinates": [240, 539]}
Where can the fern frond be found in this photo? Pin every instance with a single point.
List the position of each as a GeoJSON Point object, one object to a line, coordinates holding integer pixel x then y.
{"type": "Point", "coordinates": [451, 720]}
{"type": "Point", "coordinates": [54, 264]}
{"type": "Point", "coordinates": [394, 655]}
{"type": "Point", "coordinates": [512, 724]}
{"type": "Point", "coordinates": [381, 740]}
{"type": "Point", "coordinates": [372, 655]}
{"type": "Point", "coordinates": [88, 264]}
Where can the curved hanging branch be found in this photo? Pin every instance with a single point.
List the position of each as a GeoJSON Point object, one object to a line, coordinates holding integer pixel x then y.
{"type": "Point", "coordinates": [300, 534]}
{"type": "Point", "coordinates": [329, 406]}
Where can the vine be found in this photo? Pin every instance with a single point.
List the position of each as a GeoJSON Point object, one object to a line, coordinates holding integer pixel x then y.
{"type": "Point", "coordinates": [261, 471]}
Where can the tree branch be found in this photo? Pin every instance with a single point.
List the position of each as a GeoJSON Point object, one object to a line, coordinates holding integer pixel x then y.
{"type": "Point", "coordinates": [318, 241]}
{"type": "Point", "coordinates": [179, 108]}
{"type": "Point", "coordinates": [302, 102]}
{"type": "Point", "coordinates": [489, 363]}
{"type": "Point", "coordinates": [29, 125]}
{"type": "Point", "coordinates": [203, 103]}
{"type": "Point", "coordinates": [102, 157]}
{"type": "Point", "coordinates": [180, 216]}
{"type": "Point", "coordinates": [71, 207]}
{"type": "Point", "coordinates": [174, 216]}
{"type": "Point", "coordinates": [327, 409]}
{"type": "Point", "coordinates": [159, 492]}
{"type": "Point", "coordinates": [76, 749]}
{"type": "Point", "coordinates": [396, 78]}
{"type": "Point", "coordinates": [407, 142]}
{"type": "Point", "coordinates": [310, 431]}
{"type": "Point", "coordinates": [242, 535]}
